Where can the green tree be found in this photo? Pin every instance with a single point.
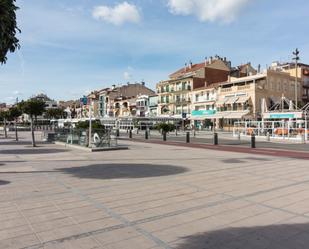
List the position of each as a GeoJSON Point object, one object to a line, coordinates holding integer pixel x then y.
{"type": "Point", "coordinates": [55, 113]}
{"type": "Point", "coordinates": [4, 115]}
{"type": "Point", "coordinates": [14, 113]}
{"type": "Point", "coordinates": [8, 29]}
{"type": "Point", "coordinates": [33, 108]}
{"type": "Point", "coordinates": [165, 127]}
{"type": "Point", "coordinates": [85, 125]}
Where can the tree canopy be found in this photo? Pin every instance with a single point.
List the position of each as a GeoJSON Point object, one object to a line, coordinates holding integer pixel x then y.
{"type": "Point", "coordinates": [32, 107]}
{"type": "Point", "coordinates": [55, 113]}
{"type": "Point", "coordinates": [4, 115]}
{"type": "Point", "coordinates": [8, 29]}
{"type": "Point", "coordinates": [14, 113]}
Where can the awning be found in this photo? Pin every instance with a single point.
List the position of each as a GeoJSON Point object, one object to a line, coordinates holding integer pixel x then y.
{"type": "Point", "coordinates": [230, 115]}
{"type": "Point", "coordinates": [218, 115]}
{"type": "Point", "coordinates": [220, 103]}
{"type": "Point", "coordinates": [242, 99]}
{"type": "Point", "coordinates": [237, 114]}
{"type": "Point", "coordinates": [231, 100]}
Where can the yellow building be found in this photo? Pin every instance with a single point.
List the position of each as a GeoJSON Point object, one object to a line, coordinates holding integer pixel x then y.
{"type": "Point", "coordinates": [248, 97]}
{"type": "Point", "coordinates": [302, 75]}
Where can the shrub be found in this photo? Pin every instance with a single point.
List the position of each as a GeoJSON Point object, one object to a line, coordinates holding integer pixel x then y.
{"type": "Point", "coordinates": [165, 127]}
{"type": "Point", "coordinates": [85, 125]}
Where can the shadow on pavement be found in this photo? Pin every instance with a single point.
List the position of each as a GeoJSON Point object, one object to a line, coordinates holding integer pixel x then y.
{"type": "Point", "coordinates": [244, 160]}
{"type": "Point", "coordinates": [32, 151]}
{"type": "Point", "coordinates": [117, 171]}
{"type": "Point", "coordinates": [19, 143]}
{"type": "Point", "coordinates": [4, 182]}
{"type": "Point", "coordinates": [284, 236]}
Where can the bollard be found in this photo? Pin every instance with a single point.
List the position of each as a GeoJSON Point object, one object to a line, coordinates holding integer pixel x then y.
{"type": "Point", "coordinates": [130, 133]}
{"type": "Point", "coordinates": [146, 134]}
{"type": "Point", "coordinates": [117, 133]}
{"type": "Point", "coordinates": [194, 133]}
{"type": "Point", "coordinates": [137, 131]}
{"type": "Point", "coordinates": [253, 141]}
{"type": "Point", "coordinates": [176, 132]}
{"type": "Point", "coordinates": [164, 136]}
{"type": "Point", "coordinates": [303, 140]}
{"type": "Point", "coordinates": [238, 136]}
{"type": "Point", "coordinates": [215, 141]}
{"type": "Point", "coordinates": [268, 136]}
{"type": "Point", "coordinates": [188, 137]}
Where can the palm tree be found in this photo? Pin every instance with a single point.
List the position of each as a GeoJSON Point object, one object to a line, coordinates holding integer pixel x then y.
{"type": "Point", "coordinates": [8, 29]}
{"type": "Point", "coordinates": [14, 113]}
{"type": "Point", "coordinates": [33, 108]}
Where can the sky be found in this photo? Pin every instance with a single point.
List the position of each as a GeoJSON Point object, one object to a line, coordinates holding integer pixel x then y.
{"type": "Point", "coordinates": [70, 47]}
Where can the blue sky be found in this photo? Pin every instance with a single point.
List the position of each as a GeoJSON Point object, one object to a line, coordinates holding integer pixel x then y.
{"type": "Point", "coordinates": [70, 47]}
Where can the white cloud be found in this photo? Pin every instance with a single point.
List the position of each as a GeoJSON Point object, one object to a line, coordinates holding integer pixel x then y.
{"type": "Point", "coordinates": [208, 10]}
{"type": "Point", "coordinates": [119, 14]}
{"type": "Point", "coordinates": [16, 93]}
{"type": "Point", "coordinates": [127, 76]}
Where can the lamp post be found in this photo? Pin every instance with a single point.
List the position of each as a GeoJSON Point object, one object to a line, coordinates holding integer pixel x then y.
{"type": "Point", "coordinates": [296, 58]}
{"type": "Point", "coordinates": [90, 125]}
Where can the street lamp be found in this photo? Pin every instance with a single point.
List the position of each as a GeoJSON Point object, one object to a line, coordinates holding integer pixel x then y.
{"type": "Point", "coordinates": [90, 124]}
{"type": "Point", "coordinates": [296, 59]}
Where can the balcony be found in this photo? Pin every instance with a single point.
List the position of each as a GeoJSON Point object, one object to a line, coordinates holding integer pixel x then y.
{"type": "Point", "coordinates": [182, 101]}
{"type": "Point", "coordinates": [225, 90]}
{"type": "Point", "coordinates": [244, 87]}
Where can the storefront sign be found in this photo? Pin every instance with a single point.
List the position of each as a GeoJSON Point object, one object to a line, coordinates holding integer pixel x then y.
{"type": "Point", "coordinates": [282, 116]}
{"type": "Point", "coordinates": [203, 112]}
{"type": "Point", "coordinates": [286, 115]}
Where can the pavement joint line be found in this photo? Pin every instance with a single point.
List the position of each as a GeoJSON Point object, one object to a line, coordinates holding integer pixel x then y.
{"type": "Point", "coordinates": [115, 215]}
{"type": "Point", "coordinates": [304, 155]}
{"type": "Point", "coordinates": [188, 174]}
{"type": "Point", "coordinates": [230, 198]}
{"type": "Point", "coordinates": [75, 221]}
{"type": "Point", "coordinates": [245, 198]}
{"type": "Point", "coordinates": [78, 236]}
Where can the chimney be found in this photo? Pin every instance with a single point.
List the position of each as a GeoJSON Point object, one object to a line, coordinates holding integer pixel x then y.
{"type": "Point", "coordinates": [185, 67]}
{"type": "Point", "coordinates": [259, 68]}
{"type": "Point", "coordinates": [113, 87]}
{"type": "Point", "coordinates": [143, 83]}
{"type": "Point", "coordinates": [205, 61]}
{"type": "Point", "coordinates": [210, 60]}
{"type": "Point", "coordinates": [190, 64]}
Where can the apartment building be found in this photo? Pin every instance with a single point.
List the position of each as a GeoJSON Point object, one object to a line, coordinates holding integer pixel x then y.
{"type": "Point", "coordinates": [120, 101]}
{"type": "Point", "coordinates": [302, 75]}
{"type": "Point", "coordinates": [244, 98]}
{"type": "Point", "coordinates": [174, 94]}
{"type": "Point", "coordinates": [249, 97]}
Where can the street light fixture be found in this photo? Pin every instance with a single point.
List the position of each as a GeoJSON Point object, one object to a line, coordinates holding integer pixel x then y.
{"type": "Point", "coordinates": [296, 59]}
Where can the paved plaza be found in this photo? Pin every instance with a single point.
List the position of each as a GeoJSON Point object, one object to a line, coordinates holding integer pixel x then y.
{"type": "Point", "coordinates": [150, 196]}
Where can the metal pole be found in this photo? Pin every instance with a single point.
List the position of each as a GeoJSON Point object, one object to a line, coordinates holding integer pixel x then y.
{"type": "Point", "coordinates": [296, 58]}
{"type": "Point", "coordinates": [146, 134]}
{"type": "Point", "coordinates": [306, 127]}
{"type": "Point", "coordinates": [164, 135]}
{"type": "Point", "coordinates": [253, 141]}
{"type": "Point", "coordinates": [188, 137]}
{"type": "Point", "coordinates": [90, 125]}
{"type": "Point", "coordinates": [130, 133]}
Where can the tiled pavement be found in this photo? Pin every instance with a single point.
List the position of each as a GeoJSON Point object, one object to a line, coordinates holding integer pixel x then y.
{"type": "Point", "coordinates": [151, 196]}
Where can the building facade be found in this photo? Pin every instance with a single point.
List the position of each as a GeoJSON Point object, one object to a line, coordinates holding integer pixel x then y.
{"type": "Point", "coordinates": [245, 98]}
{"type": "Point", "coordinates": [121, 101]}
{"type": "Point", "coordinates": [175, 94]}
